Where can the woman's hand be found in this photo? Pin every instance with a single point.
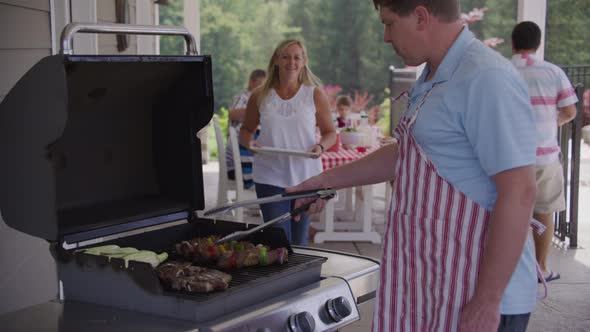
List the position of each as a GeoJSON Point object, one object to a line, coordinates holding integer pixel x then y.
{"type": "Point", "coordinates": [309, 184]}
{"type": "Point", "coordinates": [317, 150]}
{"type": "Point", "coordinates": [253, 144]}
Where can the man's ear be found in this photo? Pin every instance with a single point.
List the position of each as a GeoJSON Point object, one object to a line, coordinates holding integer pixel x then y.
{"type": "Point", "coordinates": [422, 16]}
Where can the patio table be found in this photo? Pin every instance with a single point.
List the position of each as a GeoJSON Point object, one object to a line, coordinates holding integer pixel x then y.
{"type": "Point", "coordinates": [360, 229]}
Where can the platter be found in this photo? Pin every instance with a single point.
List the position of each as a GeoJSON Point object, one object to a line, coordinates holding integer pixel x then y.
{"type": "Point", "coordinates": [279, 151]}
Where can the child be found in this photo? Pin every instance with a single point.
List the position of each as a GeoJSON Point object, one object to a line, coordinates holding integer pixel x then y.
{"type": "Point", "coordinates": [343, 105]}
{"type": "Point", "coordinates": [236, 117]}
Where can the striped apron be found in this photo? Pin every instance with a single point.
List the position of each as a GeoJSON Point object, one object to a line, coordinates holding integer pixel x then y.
{"type": "Point", "coordinates": [432, 248]}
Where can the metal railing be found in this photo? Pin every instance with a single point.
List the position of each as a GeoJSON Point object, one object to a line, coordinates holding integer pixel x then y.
{"type": "Point", "coordinates": [570, 137]}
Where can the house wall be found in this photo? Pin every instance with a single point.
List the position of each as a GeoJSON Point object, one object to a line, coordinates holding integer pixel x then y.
{"type": "Point", "coordinates": [25, 38]}
{"type": "Point", "coordinates": [27, 271]}
{"type": "Point", "coordinates": [138, 12]}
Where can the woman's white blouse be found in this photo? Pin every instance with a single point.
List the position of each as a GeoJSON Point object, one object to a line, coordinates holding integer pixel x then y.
{"type": "Point", "coordinates": [287, 124]}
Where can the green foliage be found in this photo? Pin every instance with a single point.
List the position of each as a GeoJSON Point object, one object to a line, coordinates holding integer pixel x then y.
{"type": "Point", "coordinates": [567, 27]}
{"type": "Point", "coordinates": [223, 119]}
{"type": "Point", "coordinates": [240, 36]}
{"type": "Point", "coordinates": [498, 21]}
{"type": "Point", "coordinates": [172, 15]}
{"type": "Point", "coordinates": [344, 38]}
{"type": "Point", "coordinates": [384, 121]}
{"type": "Point", "coordinates": [567, 32]}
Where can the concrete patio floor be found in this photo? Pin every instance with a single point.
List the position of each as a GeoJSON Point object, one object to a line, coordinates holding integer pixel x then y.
{"type": "Point", "coordinates": [567, 307]}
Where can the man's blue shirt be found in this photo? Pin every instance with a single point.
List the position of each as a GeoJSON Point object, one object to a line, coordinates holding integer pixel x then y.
{"type": "Point", "coordinates": [478, 122]}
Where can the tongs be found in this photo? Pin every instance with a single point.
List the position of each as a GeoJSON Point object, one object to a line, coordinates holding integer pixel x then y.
{"type": "Point", "coordinates": [317, 194]}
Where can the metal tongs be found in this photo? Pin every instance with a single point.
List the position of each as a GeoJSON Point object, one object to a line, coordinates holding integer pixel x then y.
{"type": "Point", "coordinates": [317, 194]}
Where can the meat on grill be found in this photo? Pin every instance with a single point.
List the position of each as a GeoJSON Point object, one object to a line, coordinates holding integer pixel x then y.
{"type": "Point", "coordinates": [230, 256]}
{"type": "Point", "coordinates": [204, 250]}
{"type": "Point", "coordinates": [184, 276]}
{"type": "Point", "coordinates": [232, 260]}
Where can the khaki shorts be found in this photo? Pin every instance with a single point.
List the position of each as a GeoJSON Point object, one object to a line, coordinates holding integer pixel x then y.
{"type": "Point", "coordinates": [550, 197]}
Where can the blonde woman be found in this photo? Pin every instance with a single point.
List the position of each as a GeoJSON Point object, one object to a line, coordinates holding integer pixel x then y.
{"type": "Point", "coordinates": [288, 108]}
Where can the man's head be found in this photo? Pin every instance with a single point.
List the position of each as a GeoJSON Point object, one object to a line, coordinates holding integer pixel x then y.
{"type": "Point", "coordinates": [446, 10]}
{"type": "Point", "coordinates": [526, 36]}
{"type": "Point", "coordinates": [257, 77]}
{"type": "Point", "coordinates": [411, 26]}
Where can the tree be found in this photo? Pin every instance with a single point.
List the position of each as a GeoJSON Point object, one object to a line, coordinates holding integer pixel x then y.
{"type": "Point", "coordinates": [567, 40]}
{"type": "Point", "coordinates": [496, 27]}
{"type": "Point", "coordinates": [345, 43]}
{"type": "Point", "coordinates": [171, 15]}
{"type": "Point", "coordinates": [344, 38]}
{"type": "Point", "coordinates": [240, 36]}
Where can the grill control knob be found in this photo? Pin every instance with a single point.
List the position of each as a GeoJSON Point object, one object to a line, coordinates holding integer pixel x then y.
{"type": "Point", "coordinates": [338, 308]}
{"type": "Point", "coordinates": [301, 322]}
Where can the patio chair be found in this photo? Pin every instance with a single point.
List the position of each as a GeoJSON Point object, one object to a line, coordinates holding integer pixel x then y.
{"type": "Point", "coordinates": [230, 190]}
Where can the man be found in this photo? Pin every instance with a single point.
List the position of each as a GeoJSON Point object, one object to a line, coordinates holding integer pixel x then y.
{"type": "Point", "coordinates": [236, 117]}
{"type": "Point", "coordinates": [457, 255]}
{"type": "Point", "coordinates": [553, 99]}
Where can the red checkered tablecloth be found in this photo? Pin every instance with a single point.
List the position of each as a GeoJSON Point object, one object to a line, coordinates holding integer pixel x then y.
{"type": "Point", "coordinates": [343, 156]}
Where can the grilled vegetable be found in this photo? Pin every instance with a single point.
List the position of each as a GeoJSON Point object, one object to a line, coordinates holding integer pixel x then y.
{"type": "Point", "coordinates": [162, 257]}
{"type": "Point", "coordinates": [128, 253]}
{"type": "Point", "coordinates": [146, 256]}
{"type": "Point", "coordinates": [101, 249]}
{"type": "Point", "coordinates": [120, 252]}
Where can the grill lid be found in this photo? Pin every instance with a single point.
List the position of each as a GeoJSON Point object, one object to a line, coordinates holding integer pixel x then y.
{"type": "Point", "coordinates": [101, 144]}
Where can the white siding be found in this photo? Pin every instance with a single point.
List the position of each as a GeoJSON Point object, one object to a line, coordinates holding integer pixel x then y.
{"type": "Point", "coordinates": [33, 4]}
{"type": "Point", "coordinates": [28, 274]}
{"type": "Point", "coordinates": [24, 38]}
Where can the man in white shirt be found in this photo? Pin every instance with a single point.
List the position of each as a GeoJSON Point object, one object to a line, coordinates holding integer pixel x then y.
{"type": "Point", "coordinates": [553, 99]}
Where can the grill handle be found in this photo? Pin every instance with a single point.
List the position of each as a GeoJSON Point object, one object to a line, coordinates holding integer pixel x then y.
{"type": "Point", "coordinates": [72, 28]}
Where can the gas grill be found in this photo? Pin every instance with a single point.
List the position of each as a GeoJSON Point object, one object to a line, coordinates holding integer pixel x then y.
{"type": "Point", "coordinates": [104, 149]}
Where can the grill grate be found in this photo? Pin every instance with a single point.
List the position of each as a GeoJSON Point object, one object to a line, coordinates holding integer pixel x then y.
{"type": "Point", "coordinates": [250, 277]}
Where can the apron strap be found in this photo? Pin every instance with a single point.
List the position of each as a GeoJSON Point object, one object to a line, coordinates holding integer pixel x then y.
{"type": "Point", "coordinates": [541, 277]}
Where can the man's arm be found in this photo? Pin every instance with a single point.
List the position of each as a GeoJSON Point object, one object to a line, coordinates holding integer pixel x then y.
{"type": "Point", "coordinates": [566, 114]}
{"type": "Point", "coordinates": [508, 230]}
{"type": "Point", "coordinates": [376, 167]}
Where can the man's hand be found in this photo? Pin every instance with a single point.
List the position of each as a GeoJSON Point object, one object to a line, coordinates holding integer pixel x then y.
{"type": "Point", "coordinates": [309, 184]}
{"type": "Point", "coordinates": [479, 316]}
{"type": "Point", "coordinates": [566, 114]}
